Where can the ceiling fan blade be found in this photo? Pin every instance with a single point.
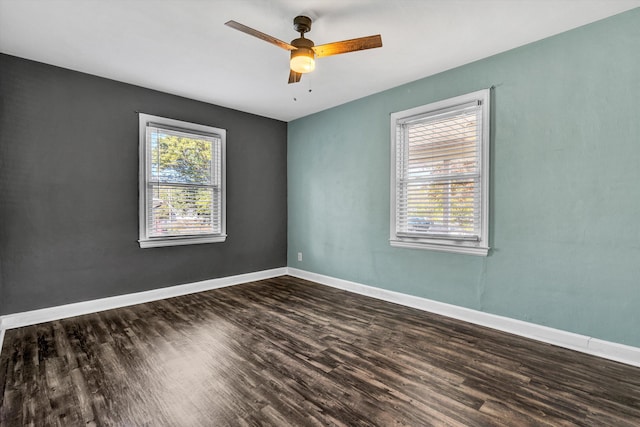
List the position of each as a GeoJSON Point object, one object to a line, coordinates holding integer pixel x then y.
{"type": "Point", "coordinates": [294, 77]}
{"type": "Point", "coordinates": [266, 37]}
{"type": "Point", "coordinates": [346, 46]}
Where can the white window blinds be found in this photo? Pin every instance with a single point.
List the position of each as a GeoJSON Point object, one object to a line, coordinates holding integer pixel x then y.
{"type": "Point", "coordinates": [183, 184]}
{"type": "Point", "coordinates": [439, 181]}
{"type": "Point", "coordinates": [439, 174]}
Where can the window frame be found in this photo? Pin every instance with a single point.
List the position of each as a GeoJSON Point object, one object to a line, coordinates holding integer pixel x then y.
{"type": "Point", "coordinates": [452, 244]}
{"type": "Point", "coordinates": [147, 241]}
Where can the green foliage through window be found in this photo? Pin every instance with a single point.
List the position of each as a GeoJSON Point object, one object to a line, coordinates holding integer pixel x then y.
{"type": "Point", "coordinates": [184, 184]}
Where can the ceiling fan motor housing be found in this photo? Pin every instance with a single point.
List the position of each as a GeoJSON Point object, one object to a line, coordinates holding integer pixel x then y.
{"type": "Point", "coordinates": [302, 43]}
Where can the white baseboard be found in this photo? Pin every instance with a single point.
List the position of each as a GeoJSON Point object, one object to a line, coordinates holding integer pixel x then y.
{"type": "Point", "coordinates": [33, 317]}
{"type": "Point", "coordinates": [582, 343]}
{"type": "Point", "coordinates": [1, 336]}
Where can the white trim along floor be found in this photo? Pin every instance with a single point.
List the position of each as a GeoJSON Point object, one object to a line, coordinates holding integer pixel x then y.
{"type": "Point", "coordinates": [582, 343]}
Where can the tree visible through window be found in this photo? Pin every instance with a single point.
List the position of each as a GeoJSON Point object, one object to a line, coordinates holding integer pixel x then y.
{"type": "Point", "coordinates": [182, 196]}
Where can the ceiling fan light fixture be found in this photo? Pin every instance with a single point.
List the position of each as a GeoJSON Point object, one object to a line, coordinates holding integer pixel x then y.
{"type": "Point", "coordinates": [302, 60]}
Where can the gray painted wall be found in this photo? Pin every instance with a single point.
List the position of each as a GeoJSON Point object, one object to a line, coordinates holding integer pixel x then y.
{"type": "Point", "coordinates": [69, 190]}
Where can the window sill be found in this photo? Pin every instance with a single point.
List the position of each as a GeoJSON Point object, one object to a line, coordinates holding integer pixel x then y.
{"type": "Point", "coordinates": [459, 248]}
{"type": "Point", "coordinates": [179, 241]}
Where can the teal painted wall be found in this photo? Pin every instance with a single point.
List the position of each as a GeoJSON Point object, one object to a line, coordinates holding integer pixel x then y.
{"type": "Point", "coordinates": [565, 206]}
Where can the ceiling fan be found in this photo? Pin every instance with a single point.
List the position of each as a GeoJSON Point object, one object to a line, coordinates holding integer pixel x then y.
{"type": "Point", "coordinates": [303, 51]}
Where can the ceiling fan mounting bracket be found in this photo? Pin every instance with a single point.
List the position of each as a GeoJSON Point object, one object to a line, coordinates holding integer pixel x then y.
{"type": "Point", "coordinates": [302, 24]}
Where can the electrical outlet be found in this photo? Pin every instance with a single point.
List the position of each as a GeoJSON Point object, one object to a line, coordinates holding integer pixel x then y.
{"type": "Point", "coordinates": [299, 256]}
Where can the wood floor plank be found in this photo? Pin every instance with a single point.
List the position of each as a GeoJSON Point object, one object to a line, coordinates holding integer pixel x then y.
{"type": "Point", "coordinates": [286, 351]}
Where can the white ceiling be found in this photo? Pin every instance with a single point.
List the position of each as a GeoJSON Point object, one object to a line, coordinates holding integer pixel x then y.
{"type": "Point", "coordinates": [184, 48]}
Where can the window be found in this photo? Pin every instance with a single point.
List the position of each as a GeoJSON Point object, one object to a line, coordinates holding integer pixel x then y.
{"type": "Point", "coordinates": [440, 175]}
{"type": "Point", "coordinates": [182, 183]}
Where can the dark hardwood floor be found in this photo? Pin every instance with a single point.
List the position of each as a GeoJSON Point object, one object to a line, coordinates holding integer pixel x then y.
{"type": "Point", "coordinates": [289, 352]}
